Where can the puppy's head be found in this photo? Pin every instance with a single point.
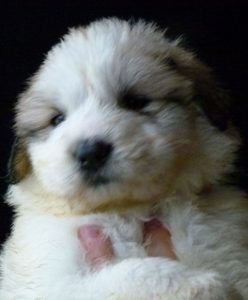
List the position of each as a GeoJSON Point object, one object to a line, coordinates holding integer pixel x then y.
{"type": "Point", "coordinates": [118, 112]}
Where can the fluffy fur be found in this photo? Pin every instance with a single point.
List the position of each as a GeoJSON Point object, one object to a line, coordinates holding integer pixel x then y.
{"type": "Point", "coordinates": [170, 159]}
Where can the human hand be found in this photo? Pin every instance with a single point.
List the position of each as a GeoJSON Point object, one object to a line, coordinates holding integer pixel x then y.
{"type": "Point", "coordinates": [99, 250]}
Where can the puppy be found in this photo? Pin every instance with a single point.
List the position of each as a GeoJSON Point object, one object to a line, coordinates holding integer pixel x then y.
{"type": "Point", "coordinates": [120, 124]}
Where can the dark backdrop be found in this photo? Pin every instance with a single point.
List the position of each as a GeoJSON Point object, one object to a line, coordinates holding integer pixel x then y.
{"type": "Point", "coordinates": [217, 30]}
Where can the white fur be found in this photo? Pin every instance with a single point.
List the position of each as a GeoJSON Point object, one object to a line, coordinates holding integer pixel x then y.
{"type": "Point", "coordinates": [162, 164]}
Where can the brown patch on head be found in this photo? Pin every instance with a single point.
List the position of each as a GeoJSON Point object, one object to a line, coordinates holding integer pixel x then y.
{"type": "Point", "coordinates": [19, 164]}
{"type": "Point", "coordinates": [208, 96]}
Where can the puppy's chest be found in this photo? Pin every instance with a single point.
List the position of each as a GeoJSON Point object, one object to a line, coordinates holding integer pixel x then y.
{"type": "Point", "coordinates": [126, 231]}
{"type": "Point", "coordinates": [51, 245]}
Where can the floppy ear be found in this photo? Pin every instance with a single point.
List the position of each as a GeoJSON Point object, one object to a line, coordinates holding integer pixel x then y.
{"type": "Point", "coordinates": [213, 101]}
{"type": "Point", "coordinates": [19, 164]}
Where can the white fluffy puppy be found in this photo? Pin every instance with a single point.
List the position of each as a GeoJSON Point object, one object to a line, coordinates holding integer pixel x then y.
{"type": "Point", "coordinates": [119, 124]}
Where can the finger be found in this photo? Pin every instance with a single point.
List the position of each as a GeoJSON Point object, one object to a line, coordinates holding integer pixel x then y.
{"type": "Point", "coordinates": [97, 245]}
{"type": "Point", "coordinates": [158, 240]}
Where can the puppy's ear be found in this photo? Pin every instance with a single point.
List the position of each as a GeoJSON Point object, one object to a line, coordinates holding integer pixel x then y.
{"type": "Point", "coordinates": [19, 164]}
{"type": "Point", "coordinates": [213, 101]}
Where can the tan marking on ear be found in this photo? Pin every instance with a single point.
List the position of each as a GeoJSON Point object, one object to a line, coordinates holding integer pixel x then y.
{"type": "Point", "coordinates": [19, 164]}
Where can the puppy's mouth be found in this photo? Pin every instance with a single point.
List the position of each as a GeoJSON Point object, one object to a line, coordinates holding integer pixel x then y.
{"type": "Point", "coordinates": [96, 179]}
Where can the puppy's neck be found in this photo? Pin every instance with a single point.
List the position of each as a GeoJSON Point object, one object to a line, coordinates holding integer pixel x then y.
{"type": "Point", "coordinates": [28, 197]}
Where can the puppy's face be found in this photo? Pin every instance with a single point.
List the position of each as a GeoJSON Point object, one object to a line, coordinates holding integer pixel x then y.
{"type": "Point", "coordinates": [111, 115]}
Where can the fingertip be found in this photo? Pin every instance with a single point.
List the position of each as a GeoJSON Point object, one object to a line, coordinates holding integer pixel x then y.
{"type": "Point", "coordinates": [89, 232]}
{"type": "Point", "coordinates": [97, 246]}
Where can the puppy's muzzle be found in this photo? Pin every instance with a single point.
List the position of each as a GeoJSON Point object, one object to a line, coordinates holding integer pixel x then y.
{"type": "Point", "coordinates": [92, 155]}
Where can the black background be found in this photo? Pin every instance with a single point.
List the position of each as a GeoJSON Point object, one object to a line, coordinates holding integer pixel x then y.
{"type": "Point", "coordinates": [216, 30]}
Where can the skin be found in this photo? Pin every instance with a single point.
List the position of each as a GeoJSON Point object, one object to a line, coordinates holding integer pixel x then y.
{"type": "Point", "coordinates": [99, 250]}
{"type": "Point", "coordinates": [158, 240]}
{"type": "Point", "coordinates": [98, 246]}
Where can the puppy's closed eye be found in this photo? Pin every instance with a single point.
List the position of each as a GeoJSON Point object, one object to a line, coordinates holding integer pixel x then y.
{"type": "Point", "coordinates": [57, 119]}
{"type": "Point", "coordinates": [135, 102]}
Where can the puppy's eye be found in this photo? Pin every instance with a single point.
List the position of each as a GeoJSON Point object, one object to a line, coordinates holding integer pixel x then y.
{"type": "Point", "coordinates": [57, 119]}
{"type": "Point", "coordinates": [134, 102]}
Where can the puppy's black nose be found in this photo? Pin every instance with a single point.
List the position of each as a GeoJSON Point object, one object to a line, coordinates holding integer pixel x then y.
{"type": "Point", "coordinates": [93, 154]}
